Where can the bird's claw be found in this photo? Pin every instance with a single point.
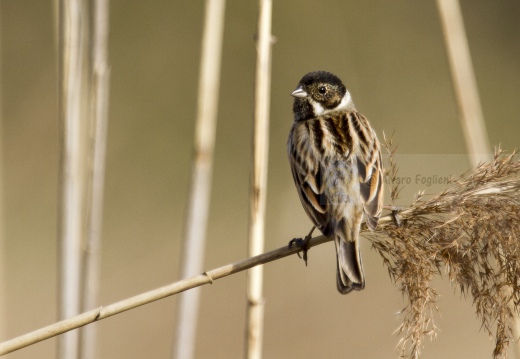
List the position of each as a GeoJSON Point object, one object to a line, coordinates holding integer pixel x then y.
{"type": "Point", "coordinates": [303, 244]}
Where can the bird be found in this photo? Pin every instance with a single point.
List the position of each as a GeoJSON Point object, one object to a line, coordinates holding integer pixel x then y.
{"type": "Point", "coordinates": [335, 159]}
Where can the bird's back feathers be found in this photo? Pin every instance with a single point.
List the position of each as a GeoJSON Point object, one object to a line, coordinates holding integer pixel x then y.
{"type": "Point", "coordinates": [316, 144]}
{"type": "Point", "coordinates": [336, 165]}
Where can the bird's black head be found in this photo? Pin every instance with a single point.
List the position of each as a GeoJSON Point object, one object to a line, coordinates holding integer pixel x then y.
{"type": "Point", "coordinates": [317, 93]}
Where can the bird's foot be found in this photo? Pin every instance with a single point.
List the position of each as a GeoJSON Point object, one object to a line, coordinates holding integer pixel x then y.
{"type": "Point", "coordinates": [303, 243]}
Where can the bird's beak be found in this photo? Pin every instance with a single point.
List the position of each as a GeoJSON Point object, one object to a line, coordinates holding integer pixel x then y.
{"type": "Point", "coordinates": [299, 93]}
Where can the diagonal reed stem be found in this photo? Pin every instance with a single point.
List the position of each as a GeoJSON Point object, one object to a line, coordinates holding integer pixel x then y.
{"type": "Point", "coordinates": [149, 297]}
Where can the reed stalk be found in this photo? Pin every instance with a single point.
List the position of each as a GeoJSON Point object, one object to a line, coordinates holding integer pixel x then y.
{"type": "Point", "coordinates": [71, 205]}
{"type": "Point", "coordinates": [99, 98]}
{"type": "Point", "coordinates": [199, 198]}
{"type": "Point", "coordinates": [258, 191]}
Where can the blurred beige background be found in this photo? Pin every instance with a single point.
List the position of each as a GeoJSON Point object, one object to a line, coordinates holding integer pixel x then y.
{"type": "Point", "coordinates": [391, 56]}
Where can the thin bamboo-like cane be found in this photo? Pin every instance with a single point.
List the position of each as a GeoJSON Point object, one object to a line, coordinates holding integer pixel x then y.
{"type": "Point", "coordinates": [258, 192]}
{"type": "Point", "coordinates": [198, 205]}
{"type": "Point", "coordinates": [464, 82]}
{"type": "Point", "coordinates": [71, 189]}
{"type": "Point", "coordinates": [151, 296]}
{"type": "Point", "coordinates": [465, 87]}
{"type": "Point", "coordinates": [99, 121]}
{"type": "Point", "coordinates": [2, 238]}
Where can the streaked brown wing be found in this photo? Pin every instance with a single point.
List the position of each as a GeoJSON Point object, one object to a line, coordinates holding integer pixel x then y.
{"type": "Point", "coordinates": [371, 184]}
{"type": "Point", "coordinates": [311, 192]}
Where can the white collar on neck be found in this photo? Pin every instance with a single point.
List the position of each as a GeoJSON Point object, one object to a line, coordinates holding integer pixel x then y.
{"type": "Point", "coordinates": [345, 103]}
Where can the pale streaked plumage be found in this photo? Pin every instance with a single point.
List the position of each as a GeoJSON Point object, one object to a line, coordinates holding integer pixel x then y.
{"type": "Point", "coordinates": [336, 164]}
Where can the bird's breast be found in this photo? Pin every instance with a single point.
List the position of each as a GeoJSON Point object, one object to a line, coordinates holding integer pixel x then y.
{"type": "Point", "coordinates": [324, 136]}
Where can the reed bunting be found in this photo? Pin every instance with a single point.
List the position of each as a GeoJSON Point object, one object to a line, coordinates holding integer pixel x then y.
{"type": "Point", "coordinates": [335, 160]}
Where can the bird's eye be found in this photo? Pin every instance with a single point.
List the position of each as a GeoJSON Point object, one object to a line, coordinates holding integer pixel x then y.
{"type": "Point", "coordinates": [322, 90]}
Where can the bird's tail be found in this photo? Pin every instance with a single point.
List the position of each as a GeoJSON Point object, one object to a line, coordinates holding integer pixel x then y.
{"type": "Point", "coordinates": [350, 274]}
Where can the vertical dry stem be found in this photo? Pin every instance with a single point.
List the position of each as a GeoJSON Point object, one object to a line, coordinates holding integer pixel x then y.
{"type": "Point", "coordinates": [466, 90]}
{"type": "Point", "coordinates": [71, 189]}
{"type": "Point", "coordinates": [198, 205]}
{"type": "Point", "coordinates": [99, 120]}
{"type": "Point", "coordinates": [2, 240]}
{"type": "Point", "coordinates": [255, 303]}
{"type": "Point", "coordinates": [464, 82]}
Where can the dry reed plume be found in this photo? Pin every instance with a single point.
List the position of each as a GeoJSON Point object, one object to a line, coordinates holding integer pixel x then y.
{"type": "Point", "coordinates": [470, 232]}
